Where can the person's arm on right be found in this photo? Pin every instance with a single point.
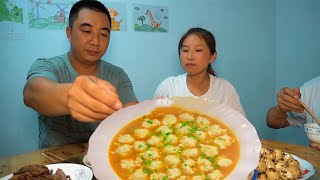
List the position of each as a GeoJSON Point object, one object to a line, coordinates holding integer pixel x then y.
{"type": "Point", "coordinates": [277, 118]}
{"type": "Point", "coordinates": [287, 101]}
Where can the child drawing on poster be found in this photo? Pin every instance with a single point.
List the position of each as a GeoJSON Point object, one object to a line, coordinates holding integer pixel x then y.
{"type": "Point", "coordinates": [150, 18]}
{"type": "Point", "coordinates": [11, 19]}
{"type": "Point", "coordinates": [117, 13]}
{"type": "Point", "coordinates": [115, 25]}
{"type": "Point", "coordinates": [48, 14]}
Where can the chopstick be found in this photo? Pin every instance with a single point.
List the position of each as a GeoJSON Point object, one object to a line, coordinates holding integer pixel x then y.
{"type": "Point", "coordinates": [48, 157]}
{"type": "Point", "coordinates": [52, 157]}
{"type": "Point", "coordinates": [309, 111]}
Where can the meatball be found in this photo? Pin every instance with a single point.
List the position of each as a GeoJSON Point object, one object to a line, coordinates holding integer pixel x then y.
{"type": "Point", "coordinates": [262, 151]}
{"type": "Point", "coordinates": [286, 174]}
{"type": "Point", "coordinates": [293, 163]}
{"type": "Point", "coordinates": [269, 154]}
{"type": "Point", "coordinates": [295, 171]}
{"type": "Point", "coordinates": [286, 156]}
{"type": "Point", "coordinates": [269, 163]}
{"type": "Point", "coordinates": [280, 164]}
{"type": "Point", "coordinates": [262, 177]}
{"type": "Point", "coordinates": [272, 174]}
{"type": "Point", "coordinates": [262, 167]}
{"type": "Point", "coordinates": [278, 154]}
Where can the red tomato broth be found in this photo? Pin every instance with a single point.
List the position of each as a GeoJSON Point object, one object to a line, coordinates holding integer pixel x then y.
{"type": "Point", "coordinates": [232, 152]}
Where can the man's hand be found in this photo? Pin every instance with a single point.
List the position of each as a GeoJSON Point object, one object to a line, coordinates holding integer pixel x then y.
{"type": "Point", "coordinates": [91, 99]}
{"type": "Point", "coordinates": [288, 100]}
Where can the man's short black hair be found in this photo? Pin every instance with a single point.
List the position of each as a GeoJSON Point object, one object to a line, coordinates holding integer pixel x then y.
{"type": "Point", "coordinates": [87, 4]}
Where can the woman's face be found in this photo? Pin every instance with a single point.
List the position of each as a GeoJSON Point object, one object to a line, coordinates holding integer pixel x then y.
{"type": "Point", "coordinates": [195, 55]}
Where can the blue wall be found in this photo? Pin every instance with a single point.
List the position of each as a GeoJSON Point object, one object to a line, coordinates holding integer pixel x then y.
{"type": "Point", "coordinates": [251, 55]}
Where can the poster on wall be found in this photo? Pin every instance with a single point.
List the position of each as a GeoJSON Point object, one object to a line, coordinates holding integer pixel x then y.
{"type": "Point", "coordinates": [118, 15]}
{"type": "Point", "coordinates": [49, 14]}
{"type": "Point", "coordinates": [150, 18]}
{"type": "Point", "coordinates": [11, 19]}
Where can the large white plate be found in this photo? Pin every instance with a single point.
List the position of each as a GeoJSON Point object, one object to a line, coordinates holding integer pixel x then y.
{"type": "Point", "coordinates": [75, 171]}
{"type": "Point", "coordinates": [101, 138]}
{"type": "Point", "coordinates": [306, 168]}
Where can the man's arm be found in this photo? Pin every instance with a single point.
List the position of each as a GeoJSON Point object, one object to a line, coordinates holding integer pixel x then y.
{"type": "Point", "coordinates": [46, 96]}
{"type": "Point", "coordinates": [277, 118]}
{"type": "Point", "coordinates": [87, 99]}
{"type": "Point", "coordinates": [287, 101]}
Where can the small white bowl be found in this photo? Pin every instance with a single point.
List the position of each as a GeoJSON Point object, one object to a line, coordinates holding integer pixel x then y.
{"type": "Point", "coordinates": [313, 132]}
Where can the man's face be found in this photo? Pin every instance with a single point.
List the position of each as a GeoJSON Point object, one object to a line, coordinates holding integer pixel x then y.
{"type": "Point", "coordinates": [89, 36]}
